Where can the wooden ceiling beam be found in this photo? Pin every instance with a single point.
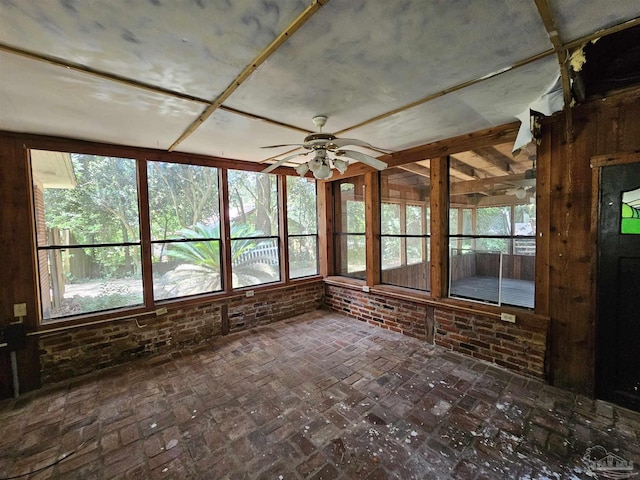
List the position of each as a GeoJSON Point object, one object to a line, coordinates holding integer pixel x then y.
{"type": "Point", "coordinates": [461, 170]}
{"type": "Point", "coordinates": [481, 165]}
{"type": "Point", "coordinates": [469, 141]}
{"type": "Point", "coordinates": [500, 160]}
{"type": "Point", "coordinates": [417, 169]}
{"type": "Point", "coordinates": [484, 184]}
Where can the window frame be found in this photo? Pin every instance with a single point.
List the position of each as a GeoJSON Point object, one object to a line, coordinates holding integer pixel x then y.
{"type": "Point", "coordinates": [438, 221]}
{"type": "Point", "coordinates": [42, 247]}
{"type": "Point", "coordinates": [142, 157]}
{"type": "Point", "coordinates": [342, 233]}
{"type": "Point", "coordinates": [290, 235]}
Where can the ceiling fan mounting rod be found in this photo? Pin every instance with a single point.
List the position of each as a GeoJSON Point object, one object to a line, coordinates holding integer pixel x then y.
{"type": "Point", "coordinates": [320, 121]}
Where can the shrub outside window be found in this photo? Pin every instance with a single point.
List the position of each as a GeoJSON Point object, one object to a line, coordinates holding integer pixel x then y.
{"type": "Point", "coordinates": [87, 232]}
{"type": "Point", "coordinates": [302, 226]}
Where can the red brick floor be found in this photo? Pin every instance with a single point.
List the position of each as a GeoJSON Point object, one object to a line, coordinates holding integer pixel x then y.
{"type": "Point", "coordinates": [320, 396]}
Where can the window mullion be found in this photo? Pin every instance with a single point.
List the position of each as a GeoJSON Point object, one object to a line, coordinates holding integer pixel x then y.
{"type": "Point", "coordinates": [225, 231]}
{"type": "Point", "coordinates": [145, 232]}
{"type": "Point", "coordinates": [283, 230]}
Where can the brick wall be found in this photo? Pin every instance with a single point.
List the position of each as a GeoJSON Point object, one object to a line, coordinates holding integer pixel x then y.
{"type": "Point", "coordinates": [520, 347]}
{"type": "Point", "coordinates": [392, 314]}
{"type": "Point", "coordinates": [81, 350]}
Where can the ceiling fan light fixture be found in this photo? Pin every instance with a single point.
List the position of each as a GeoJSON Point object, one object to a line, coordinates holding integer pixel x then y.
{"type": "Point", "coordinates": [314, 164]}
{"type": "Point", "coordinates": [323, 172]}
{"type": "Point", "coordinates": [520, 193]}
{"type": "Point", "coordinates": [302, 169]}
{"type": "Point", "coordinates": [340, 165]}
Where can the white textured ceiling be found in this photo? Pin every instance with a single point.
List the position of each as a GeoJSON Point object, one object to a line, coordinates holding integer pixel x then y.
{"type": "Point", "coordinates": [402, 72]}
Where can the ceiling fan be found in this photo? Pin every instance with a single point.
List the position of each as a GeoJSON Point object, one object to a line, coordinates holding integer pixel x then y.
{"type": "Point", "coordinates": [519, 192]}
{"type": "Point", "coordinates": [320, 145]}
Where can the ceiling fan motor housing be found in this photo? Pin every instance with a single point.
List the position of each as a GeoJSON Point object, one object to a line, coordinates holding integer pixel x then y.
{"type": "Point", "coordinates": [318, 140]}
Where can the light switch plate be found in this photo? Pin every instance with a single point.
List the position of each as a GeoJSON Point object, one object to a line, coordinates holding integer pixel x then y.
{"type": "Point", "coordinates": [19, 309]}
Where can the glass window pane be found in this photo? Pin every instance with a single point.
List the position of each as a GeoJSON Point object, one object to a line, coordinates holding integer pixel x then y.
{"type": "Point", "coordinates": [475, 275]}
{"type": "Point", "coordinates": [91, 201]}
{"type": "Point", "coordinates": [525, 222]}
{"type": "Point", "coordinates": [254, 261]}
{"type": "Point", "coordinates": [351, 252]}
{"type": "Point", "coordinates": [87, 280]}
{"type": "Point", "coordinates": [349, 205]}
{"type": "Point", "coordinates": [405, 211]}
{"type": "Point", "coordinates": [303, 256]}
{"type": "Point", "coordinates": [302, 216]}
{"type": "Point", "coordinates": [415, 220]}
{"type": "Point", "coordinates": [390, 219]}
{"type": "Point", "coordinates": [355, 216]}
{"type": "Point", "coordinates": [453, 221]}
{"type": "Point", "coordinates": [493, 221]}
{"type": "Point", "coordinates": [94, 199]}
{"type": "Point", "coordinates": [182, 199]}
{"type": "Point", "coordinates": [467, 221]}
{"type": "Point", "coordinates": [184, 203]}
{"type": "Point", "coordinates": [186, 268]}
{"type": "Point", "coordinates": [630, 212]}
{"type": "Point", "coordinates": [253, 204]}
{"type": "Point", "coordinates": [390, 252]}
{"type": "Point", "coordinates": [417, 250]}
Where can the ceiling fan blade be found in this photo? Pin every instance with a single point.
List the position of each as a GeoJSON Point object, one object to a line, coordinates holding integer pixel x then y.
{"type": "Point", "coordinates": [361, 157]}
{"type": "Point", "coordinates": [284, 145]}
{"type": "Point", "coordinates": [273, 166]}
{"type": "Point", "coordinates": [343, 142]}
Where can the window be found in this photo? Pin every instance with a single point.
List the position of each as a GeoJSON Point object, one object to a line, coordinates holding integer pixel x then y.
{"type": "Point", "coordinates": [492, 225]}
{"type": "Point", "coordinates": [302, 225]}
{"type": "Point", "coordinates": [87, 231]}
{"type": "Point", "coordinates": [184, 213]}
{"type": "Point", "coordinates": [404, 226]}
{"type": "Point", "coordinates": [349, 215]}
{"type": "Point", "coordinates": [253, 216]}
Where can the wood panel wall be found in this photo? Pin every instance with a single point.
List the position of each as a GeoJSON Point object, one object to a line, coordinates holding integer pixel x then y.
{"type": "Point", "coordinates": [601, 127]}
{"type": "Point", "coordinates": [17, 274]}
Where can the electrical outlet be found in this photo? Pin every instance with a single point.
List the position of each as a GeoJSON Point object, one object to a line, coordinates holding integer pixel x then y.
{"type": "Point", "coordinates": [508, 317]}
{"type": "Point", "coordinates": [161, 311]}
{"type": "Point", "coordinates": [19, 309]}
{"type": "Point", "coordinates": [366, 288]}
{"type": "Point", "coordinates": [250, 293]}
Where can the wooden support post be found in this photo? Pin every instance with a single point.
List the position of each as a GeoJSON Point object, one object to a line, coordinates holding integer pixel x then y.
{"type": "Point", "coordinates": [439, 226]}
{"type": "Point", "coordinates": [372, 219]}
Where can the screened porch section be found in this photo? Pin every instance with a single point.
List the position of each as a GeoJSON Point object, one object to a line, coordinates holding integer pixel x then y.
{"type": "Point", "coordinates": [492, 225]}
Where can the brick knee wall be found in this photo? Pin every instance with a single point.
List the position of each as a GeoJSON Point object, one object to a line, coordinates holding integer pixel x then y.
{"type": "Point", "coordinates": [520, 347]}
{"type": "Point", "coordinates": [81, 350]}
{"type": "Point", "coordinates": [388, 313]}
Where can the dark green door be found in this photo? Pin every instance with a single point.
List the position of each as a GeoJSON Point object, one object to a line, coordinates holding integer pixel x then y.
{"type": "Point", "coordinates": [618, 322]}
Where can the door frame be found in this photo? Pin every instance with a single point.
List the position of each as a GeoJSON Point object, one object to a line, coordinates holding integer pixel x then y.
{"type": "Point", "coordinates": [597, 163]}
